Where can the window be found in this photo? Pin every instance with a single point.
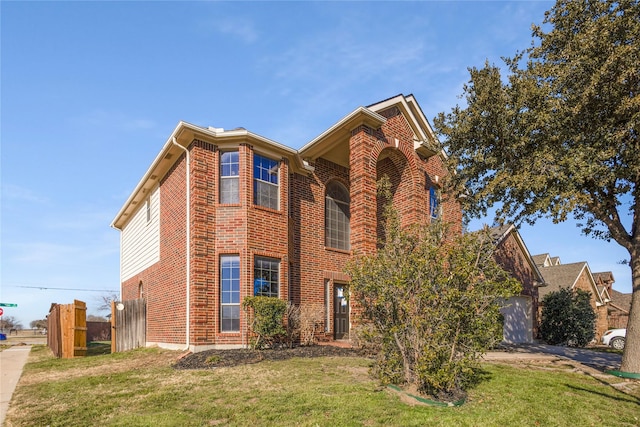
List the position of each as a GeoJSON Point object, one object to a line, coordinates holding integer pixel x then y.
{"type": "Point", "coordinates": [265, 182]}
{"type": "Point", "coordinates": [434, 202]}
{"type": "Point", "coordinates": [265, 277]}
{"type": "Point", "coordinates": [230, 293]}
{"type": "Point", "coordinates": [337, 216]}
{"type": "Point", "coordinates": [229, 177]}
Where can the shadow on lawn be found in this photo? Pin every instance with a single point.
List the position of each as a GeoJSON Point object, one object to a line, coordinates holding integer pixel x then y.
{"type": "Point", "coordinates": [629, 399]}
{"type": "Point", "coordinates": [98, 348]}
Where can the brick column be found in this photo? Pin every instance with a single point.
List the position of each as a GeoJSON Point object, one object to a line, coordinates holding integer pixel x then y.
{"type": "Point", "coordinates": [363, 192]}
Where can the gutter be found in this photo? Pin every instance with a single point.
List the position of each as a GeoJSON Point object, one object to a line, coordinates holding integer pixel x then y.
{"type": "Point", "coordinates": [188, 242]}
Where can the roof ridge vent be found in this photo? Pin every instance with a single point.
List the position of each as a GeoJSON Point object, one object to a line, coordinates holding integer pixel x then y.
{"type": "Point", "coordinates": [214, 129]}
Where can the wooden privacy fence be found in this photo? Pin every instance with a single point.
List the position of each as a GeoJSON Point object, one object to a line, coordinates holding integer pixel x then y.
{"type": "Point", "coordinates": [128, 325]}
{"type": "Point", "coordinates": [67, 329]}
{"type": "Point", "coordinates": [98, 331]}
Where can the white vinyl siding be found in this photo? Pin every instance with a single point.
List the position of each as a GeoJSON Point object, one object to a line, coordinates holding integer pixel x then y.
{"type": "Point", "coordinates": [140, 240]}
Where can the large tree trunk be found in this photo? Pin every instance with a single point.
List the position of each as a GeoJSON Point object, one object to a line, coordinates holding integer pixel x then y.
{"type": "Point", "coordinates": [631, 356]}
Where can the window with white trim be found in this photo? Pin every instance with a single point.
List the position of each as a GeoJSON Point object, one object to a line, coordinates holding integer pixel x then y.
{"type": "Point", "coordinates": [229, 293]}
{"type": "Point", "coordinates": [229, 177]}
{"type": "Point", "coordinates": [266, 274]}
{"type": "Point", "coordinates": [265, 182]}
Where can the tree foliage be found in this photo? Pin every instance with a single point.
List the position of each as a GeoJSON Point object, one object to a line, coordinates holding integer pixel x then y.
{"type": "Point", "coordinates": [104, 301]}
{"type": "Point", "coordinates": [9, 322]}
{"type": "Point", "coordinates": [568, 318]}
{"type": "Point", "coordinates": [432, 306]}
{"type": "Point", "coordinates": [559, 136]}
{"type": "Point", "coordinates": [38, 324]}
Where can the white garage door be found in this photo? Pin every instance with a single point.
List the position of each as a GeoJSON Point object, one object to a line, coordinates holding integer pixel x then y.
{"type": "Point", "coordinates": [518, 320]}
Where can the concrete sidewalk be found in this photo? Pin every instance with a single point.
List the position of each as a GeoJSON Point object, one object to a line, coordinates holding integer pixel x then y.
{"type": "Point", "coordinates": [595, 359]}
{"type": "Point", "coordinates": [12, 361]}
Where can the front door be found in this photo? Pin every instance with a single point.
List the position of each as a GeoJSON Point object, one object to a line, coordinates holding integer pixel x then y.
{"type": "Point", "coordinates": [340, 312]}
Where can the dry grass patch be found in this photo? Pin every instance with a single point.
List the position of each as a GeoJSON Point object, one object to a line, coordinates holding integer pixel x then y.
{"type": "Point", "coordinates": [41, 362]}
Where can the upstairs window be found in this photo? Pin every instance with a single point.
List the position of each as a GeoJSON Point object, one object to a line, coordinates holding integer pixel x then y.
{"type": "Point", "coordinates": [337, 217]}
{"type": "Point", "coordinates": [229, 177]}
{"type": "Point", "coordinates": [434, 202]}
{"type": "Point", "coordinates": [266, 274]}
{"type": "Point", "coordinates": [265, 182]}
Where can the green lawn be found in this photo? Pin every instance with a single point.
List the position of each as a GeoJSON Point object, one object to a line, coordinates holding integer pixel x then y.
{"type": "Point", "coordinates": [140, 388]}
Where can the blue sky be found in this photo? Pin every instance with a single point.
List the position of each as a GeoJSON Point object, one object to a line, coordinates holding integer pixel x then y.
{"type": "Point", "coordinates": [91, 90]}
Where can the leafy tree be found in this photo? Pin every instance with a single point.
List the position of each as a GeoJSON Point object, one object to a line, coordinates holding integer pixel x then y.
{"type": "Point", "coordinates": [568, 318]}
{"type": "Point", "coordinates": [9, 322]}
{"type": "Point", "coordinates": [104, 301]}
{"type": "Point", "coordinates": [560, 135]}
{"type": "Point", "coordinates": [38, 324]}
{"type": "Point", "coordinates": [432, 304]}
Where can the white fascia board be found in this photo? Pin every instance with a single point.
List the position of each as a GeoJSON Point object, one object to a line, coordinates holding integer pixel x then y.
{"type": "Point", "coordinates": [375, 117]}
{"type": "Point", "coordinates": [190, 131]}
{"type": "Point", "coordinates": [401, 101]}
{"type": "Point", "coordinates": [593, 283]}
{"type": "Point", "coordinates": [145, 178]}
{"type": "Point", "coordinates": [532, 264]}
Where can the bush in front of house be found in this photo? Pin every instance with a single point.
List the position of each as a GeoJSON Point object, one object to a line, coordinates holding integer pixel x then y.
{"type": "Point", "coordinates": [267, 320]}
{"type": "Point", "coordinates": [567, 318]}
{"type": "Point", "coordinates": [432, 306]}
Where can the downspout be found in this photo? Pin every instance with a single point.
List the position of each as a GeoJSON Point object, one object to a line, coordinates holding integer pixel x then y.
{"type": "Point", "coordinates": [188, 243]}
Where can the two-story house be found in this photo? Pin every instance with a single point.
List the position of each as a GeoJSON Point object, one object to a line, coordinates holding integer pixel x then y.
{"type": "Point", "coordinates": [224, 214]}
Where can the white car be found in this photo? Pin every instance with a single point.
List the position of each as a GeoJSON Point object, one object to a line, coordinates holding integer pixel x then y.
{"type": "Point", "coordinates": [614, 338]}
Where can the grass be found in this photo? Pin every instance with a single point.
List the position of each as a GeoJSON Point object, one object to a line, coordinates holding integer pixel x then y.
{"type": "Point", "coordinates": [139, 388]}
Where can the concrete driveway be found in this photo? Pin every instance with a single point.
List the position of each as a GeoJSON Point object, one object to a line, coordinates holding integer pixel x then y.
{"type": "Point", "coordinates": [595, 359]}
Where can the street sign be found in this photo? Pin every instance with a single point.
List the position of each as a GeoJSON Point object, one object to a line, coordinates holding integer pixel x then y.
{"type": "Point", "coordinates": [1, 311]}
{"type": "Point", "coordinates": [4, 304]}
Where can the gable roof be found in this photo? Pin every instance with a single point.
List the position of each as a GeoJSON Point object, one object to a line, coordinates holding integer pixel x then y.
{"type": "Point", "coordinates": [546, 260]}
{"type": "Point", "coordinates": [541, 259]}
{"type": "Point", "coordinates": [500, 233]}
{"type": "Point", "coordinates": [333, 144]}
{"type": "Point", "coordinates": [566, 276]}
{"type": "Point", "coordinates": [604, 293]}
{"type": "Point", "coordinates": [604, 277]}
{"type": "Point", "coordinates": [621, 301]}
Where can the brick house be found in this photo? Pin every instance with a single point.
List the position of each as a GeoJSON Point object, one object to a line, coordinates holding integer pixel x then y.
{"type": "Point", "coordinates": [520, 312]}
{"type": "Point", "coordinates": [618, 303]}
{"type": "Point", "coordinates": [224, 214]}
{"type": "Point", "coordinates": [575, 275]}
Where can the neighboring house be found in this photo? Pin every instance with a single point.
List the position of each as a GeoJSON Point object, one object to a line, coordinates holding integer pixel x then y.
{"type": "Point", "coordinates": [225, 214]}
{"type": "Point", "coordinates": [604, 282]}
{"type": "Point", "coordinates": [544, 260]}
{"type": "Point", "coordinates": [618, 304]}
{"type": "Point", "coordinates": [619, 308]}
{"type": "Point", "coordinates": [573, 276]}
{"type": "Point", "coordinates": [520, 312]}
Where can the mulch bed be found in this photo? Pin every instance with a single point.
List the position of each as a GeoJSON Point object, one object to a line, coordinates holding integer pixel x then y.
{"type": "Point", "coordinates": [225, 358]}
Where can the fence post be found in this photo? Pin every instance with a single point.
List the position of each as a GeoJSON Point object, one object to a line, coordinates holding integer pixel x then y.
{"type": "Point", "coordinates": [113, 327]}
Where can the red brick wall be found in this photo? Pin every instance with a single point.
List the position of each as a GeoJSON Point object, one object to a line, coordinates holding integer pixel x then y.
{"type": "Point", "coordinates": [204, 320]}
{"type": "Point", "coordinates": [602, 321]}
{"type": "Point", "coordinates": [509, 256]}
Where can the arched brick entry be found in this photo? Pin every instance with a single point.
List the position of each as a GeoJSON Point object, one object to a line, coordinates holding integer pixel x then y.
{"type": "Point", "coordinates": [393, 163]}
